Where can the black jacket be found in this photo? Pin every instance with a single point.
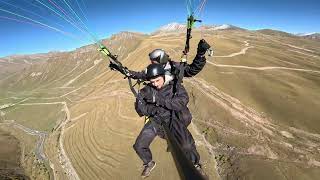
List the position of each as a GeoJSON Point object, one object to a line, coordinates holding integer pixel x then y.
{"type": "Point", "coordinates": [190, 70]}
{"type": "Point", "coordinates": [163, 104]}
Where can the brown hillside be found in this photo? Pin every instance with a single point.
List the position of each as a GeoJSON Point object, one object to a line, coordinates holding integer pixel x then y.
{"type": "Point", "coordinates": [255, 107]}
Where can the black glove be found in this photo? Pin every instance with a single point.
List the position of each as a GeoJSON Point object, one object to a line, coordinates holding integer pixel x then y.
{"type": "Point", "coordinates": [162, 116]}
{"type": "Point", "coordinates": [114, 67]}
{"type": "Point", "coordinates": [203, 46]}
{"type": "Point", "coordinates": [155, 98]}
{"type": "Point", "coordinates": [149, 97]}
{"type": "Point", "coordinates": [157, 119]}
{"type": "Point", "coordinates": [160, 100]}
{"type": "Point", "coordinates": [122, 70]}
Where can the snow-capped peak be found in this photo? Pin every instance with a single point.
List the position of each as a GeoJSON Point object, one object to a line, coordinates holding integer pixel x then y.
{"type": "Point", "coordinates": [177, 27]}
{"type": "Point", "coordinates": [221, 27]}
{"type": "Point", "coordinates": [218, 27]}
{"type": "Point", "coordinates": [172, 27]}
{"type": "Point", "coordinates": [305, 34]}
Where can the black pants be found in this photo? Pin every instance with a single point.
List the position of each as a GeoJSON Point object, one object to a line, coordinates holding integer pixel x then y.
{"type": "Point", "coordinates": [178, 130]}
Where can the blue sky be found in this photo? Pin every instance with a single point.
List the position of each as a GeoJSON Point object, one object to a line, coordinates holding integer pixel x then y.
{"type": "Point", "coordinates": [105, 17]}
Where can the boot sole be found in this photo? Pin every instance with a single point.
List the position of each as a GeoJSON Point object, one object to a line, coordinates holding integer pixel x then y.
{"type": "Point", "coordinates": [150, 171]}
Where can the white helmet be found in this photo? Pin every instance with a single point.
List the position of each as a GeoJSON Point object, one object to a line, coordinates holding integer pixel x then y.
{"type": "Point", "coordinates": [159, 55]}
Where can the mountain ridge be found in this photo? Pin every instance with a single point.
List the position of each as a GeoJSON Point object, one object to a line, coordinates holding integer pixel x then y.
{"type": "Point", "coordinates": [173, 27]}
{"type": "Point", "coordinates": [254, 106]}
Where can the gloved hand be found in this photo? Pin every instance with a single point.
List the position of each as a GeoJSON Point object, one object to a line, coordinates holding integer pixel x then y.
{"type": "Point", "coordinates": [114, 67]}
{"type": "Point", "coordinates": [162, 115]}
{"type": "Point", "coordinates": [155, 98]}
{"type": "Point", "coordinates": [160, 100]}
{"type": "Point", "coordinates": [122, 70]}
{"type": "Point", "coordinates": [153, 111]}
{"type": "Point", "coordinates": [149, 97]}
{"type": "Point", "coordinates": [157, 119]}
{"type": "Point", "coordinates": [203, 46]}
{"type": "Point", "coordinates": [145, 109]}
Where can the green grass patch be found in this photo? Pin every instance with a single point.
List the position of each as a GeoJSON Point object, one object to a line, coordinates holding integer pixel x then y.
{"type": "Point", "coordinates": [40, 117]}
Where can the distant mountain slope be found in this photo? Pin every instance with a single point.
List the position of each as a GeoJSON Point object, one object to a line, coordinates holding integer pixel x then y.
{"type": "Point", "coordinates": [254, 106]}
{"type": "Point", "coordinates": [69, 65]}
{"type": "Point", "coordinates": [16, 63]}
{"type": "Point", "coordinates": [180, 28]}
{"type": "Point", "coordinates": [275, 32]}
{"type": "Point", "coordinates": [314, 36]}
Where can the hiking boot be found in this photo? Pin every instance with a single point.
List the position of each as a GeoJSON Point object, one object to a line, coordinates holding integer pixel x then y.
{"type": "Point", "coordinates": [201, 171]}
{"type": "Point", "coordinates": [148, 168]}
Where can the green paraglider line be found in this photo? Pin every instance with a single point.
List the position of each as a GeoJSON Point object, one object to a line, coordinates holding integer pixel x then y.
{"type": "Point", "coordinates": [200, 8]}
{"type": "Point", "coordinates": [71, 9]}
{"type": "Point", "coordinates": [31, 3]}
{"type": "Point", "coordinates": [84, 5]}
{"type": "Point", "coordinates": [63, 11]}
{"type": "Point", "coordinates": [87, 30]}
{"type": "Point", "coordinates": [36, 23]}
{"type": "Point", "coordinates": [13, 19]}
{"type": "Point", "coordinates": [51, 9]}
{"type": "Point", "coordinates": [28, 11]}
{"type": "Point", "coordinates": [188, 7]}
{"type": "Point", "coordinates": [191, 7]}
{"type": "Point", "coordinates": [82, 11]}
{"type": "Point", "coordinates": [60, 16]}
{"type": "Point", "coordinates": [63, 18]}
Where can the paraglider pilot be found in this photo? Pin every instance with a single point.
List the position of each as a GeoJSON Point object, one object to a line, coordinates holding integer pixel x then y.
{"type": "Point", "coordinates": [158, 101]}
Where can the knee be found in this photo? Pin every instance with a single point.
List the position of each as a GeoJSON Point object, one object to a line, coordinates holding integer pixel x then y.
{"type": "Point", "coordinates": [135, 146]}
{"type": "Point", "coordinates": [138, 146]}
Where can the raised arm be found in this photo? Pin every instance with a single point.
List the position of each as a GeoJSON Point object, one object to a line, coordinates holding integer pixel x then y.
{"type": "Point", "coordinates": [199, 61]}
{"type": "Point", "coordinates": [195, 67]}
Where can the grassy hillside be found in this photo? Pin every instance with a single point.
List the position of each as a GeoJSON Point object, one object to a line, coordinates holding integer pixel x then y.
{"type": "Point", "coordinates": [10, 156]}
{"type": "Point", "coordinates": [255, 107]}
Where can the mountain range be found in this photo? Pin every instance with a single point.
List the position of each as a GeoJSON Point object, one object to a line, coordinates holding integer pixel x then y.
{"type": "Point", "coordinates": [255, 108]}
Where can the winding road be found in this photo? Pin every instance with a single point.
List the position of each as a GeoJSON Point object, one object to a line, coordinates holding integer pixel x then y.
{"type": "Point", "coordinates": [265, 68]}
{"type": "Point", "coordinates": [237, 109]}
{"type": "Point", "coordinates": [39, 150]}
{"type": "Point", "coordinates": [63, 158]}
{"type": "Point", "coordinates": [243, 51]}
